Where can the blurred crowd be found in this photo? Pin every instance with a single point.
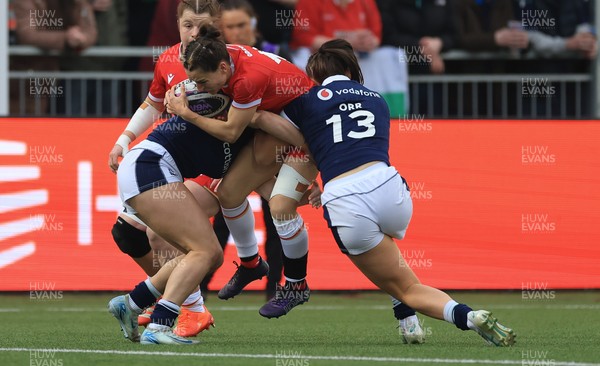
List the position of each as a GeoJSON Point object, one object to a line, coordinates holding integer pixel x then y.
{"type": "Point", "coordinates": [393, 38]}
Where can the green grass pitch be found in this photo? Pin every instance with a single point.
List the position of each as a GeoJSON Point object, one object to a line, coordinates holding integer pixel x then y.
{"type": "Point", "coordinates": [64, 329]}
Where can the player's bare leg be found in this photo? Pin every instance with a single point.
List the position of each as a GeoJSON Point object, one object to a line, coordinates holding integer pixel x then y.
{"type": "Point", "coordinates": [179, 219]}
{"type": "Point", "coordinates": [194, 317]}
{"type": "Point", "coordinates": [386, 268]}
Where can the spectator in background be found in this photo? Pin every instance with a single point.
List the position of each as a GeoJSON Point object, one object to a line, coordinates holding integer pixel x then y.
{"type": "Point", "coordinates": [238, 24]}
{"type": "Point", "coordinates": [558, 28]}
{"type": "Point", "coordinates": [483, 25]}
{"type": "Point", "coordinates": [487, 25]}
{"type": "Point", "coordinates": [140, 17]}
{"type": "Point", "coordinates": [12, 24]}
{"type": "Point", "coordinates": [111, 24]}
{"type": "Point", "coordinates": [164, 32]}
{"type": "Point", "coordinates": [276, 17]}
{"type": "Point", "coordinates": [359, 23]}
{"type": "Point", "coordinates": [422, 29]}
{"type": "Point", "coordinates": [60, 25]}
{"type": "Point", "coordinates": [561, 33]}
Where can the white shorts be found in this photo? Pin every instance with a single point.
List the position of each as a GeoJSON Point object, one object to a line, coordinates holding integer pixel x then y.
{"type": "Point", "coordinates": [148, 165]}
{"type": "Point", "coordinates": [362, 207]}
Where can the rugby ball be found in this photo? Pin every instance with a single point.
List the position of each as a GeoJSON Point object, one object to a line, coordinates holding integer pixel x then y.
{"type": "Point", "coordinates": [203, 103]}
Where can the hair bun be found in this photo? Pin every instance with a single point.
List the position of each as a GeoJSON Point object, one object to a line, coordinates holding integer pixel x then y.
{"type": "Point", "coordinates": [209, 31]}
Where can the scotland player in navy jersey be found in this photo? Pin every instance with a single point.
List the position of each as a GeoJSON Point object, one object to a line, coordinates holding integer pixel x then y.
{"type": "Point", "coordinates": [366, 202]}
{"type": "Point", "coordinates": [151, 186]}
{"type": "Point", "coordinates": [132, 236]}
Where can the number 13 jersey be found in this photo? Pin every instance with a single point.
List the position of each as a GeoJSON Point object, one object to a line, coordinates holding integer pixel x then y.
{"type": "Point", "coordinates": [345, 125]}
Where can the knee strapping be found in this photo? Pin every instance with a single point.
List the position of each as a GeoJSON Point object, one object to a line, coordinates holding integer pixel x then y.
{"type": "Point", "coordinates": [130, 240]}
{"type": "Point", "coordinates": [288, 183]}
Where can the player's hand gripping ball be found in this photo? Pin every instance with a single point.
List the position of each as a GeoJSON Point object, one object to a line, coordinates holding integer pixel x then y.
{"type": "Point", "coordinates": [203, 103]}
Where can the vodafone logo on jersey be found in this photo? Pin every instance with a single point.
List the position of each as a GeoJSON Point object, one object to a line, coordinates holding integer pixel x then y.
{"type": "Point", "coordinates": [324, 94]}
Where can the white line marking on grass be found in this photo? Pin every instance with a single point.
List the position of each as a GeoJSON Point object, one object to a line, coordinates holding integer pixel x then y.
{"type": "Point", "coordinates": [326, 307]}
{"type": "Point", "coordinates": [533, 305]}
{"type": "Point", "coordinates": [302, 357]}
{"type": "Point", "coordinates": [74, 310]}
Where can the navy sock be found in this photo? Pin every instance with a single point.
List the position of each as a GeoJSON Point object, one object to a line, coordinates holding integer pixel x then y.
{"type": "Point", "coordinates": [164, 314]}
{"type": "Point", "coordinates": [460, 316]}
{"type": "Point", "coordinates": [403, 311]}
{"type": "Point", "coordinates": [142, 296]}
{"type": "Point", "coordinates": [295, 268]}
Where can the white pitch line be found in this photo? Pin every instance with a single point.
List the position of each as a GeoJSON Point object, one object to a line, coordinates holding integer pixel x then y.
{"type": "Point", "coordinates": [291, 356]}
{"type": "Point", "coordinates": [541, 305]}
{"type": "Point", "coordinates": [304, 307]}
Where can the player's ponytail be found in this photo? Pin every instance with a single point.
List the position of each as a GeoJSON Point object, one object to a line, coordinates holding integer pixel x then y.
{"type": "Point", "coordinates": [205, 52]}
{"type": "Point", "coordinates": [335, 57]}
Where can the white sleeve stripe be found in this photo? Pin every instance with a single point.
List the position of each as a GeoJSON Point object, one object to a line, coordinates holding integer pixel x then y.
{"type": "Point", "coordinates": [247, 105]}
{"type": "Point", "coordinates": [282, 114]}
{"type": "Point", "coordinates": [155, 99]}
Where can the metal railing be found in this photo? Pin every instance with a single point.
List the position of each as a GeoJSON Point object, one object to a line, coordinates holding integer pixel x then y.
{"type": "Point", "coordinates": [67, 93]}
{"type": "Point", "coordinates": [118, 94]}
{"type": "Point", "coordinates": [501, 96]}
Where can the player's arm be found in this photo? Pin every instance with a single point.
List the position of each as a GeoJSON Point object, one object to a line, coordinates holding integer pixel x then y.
{"type": "Point", "coordinates": [278, 127]}
{"type": "Point", "coordinates": [229, 131]}
{"type": "Point", "coordinates": [148, 112]}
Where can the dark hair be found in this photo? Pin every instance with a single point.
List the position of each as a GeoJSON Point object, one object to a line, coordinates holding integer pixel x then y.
{"type": "Point", "coordinates": [198, 7]}
{"type": "Point", "coordinates": [206, 51]}
{"type": "Point", "coordinates": [335, 57]}
{"type": "Point", "coordinates": [238, 4]}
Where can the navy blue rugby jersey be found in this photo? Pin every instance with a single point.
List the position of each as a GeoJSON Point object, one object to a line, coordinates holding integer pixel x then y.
{"type": "Point", "coordinates": [344, 123]}
{"type": "Point", "coordinates": [195, 151]}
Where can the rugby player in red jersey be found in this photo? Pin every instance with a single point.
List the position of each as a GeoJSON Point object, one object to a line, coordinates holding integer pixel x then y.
{"type": "Point", "coordinates": [254, 80]}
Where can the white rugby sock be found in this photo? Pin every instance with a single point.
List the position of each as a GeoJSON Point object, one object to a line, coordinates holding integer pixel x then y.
{"type": "Point", "coordinates": [240, 221]}
{"type": "Point", "coordinates": [197, 305]}
{"type": "Point", "coordinates": [449, 311]}
{"type": "Point", "coordinates": [293, 235]}
{"type": "Point", "coordinates": [194, 297]}
{"type": "Point", "coordinates": [294, 242]}
{"type": "Point", "coordinates": [152, 289]}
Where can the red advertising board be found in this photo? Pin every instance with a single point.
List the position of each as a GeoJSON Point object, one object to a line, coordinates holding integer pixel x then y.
{"type": "Point", "coordinates": [497, 205]}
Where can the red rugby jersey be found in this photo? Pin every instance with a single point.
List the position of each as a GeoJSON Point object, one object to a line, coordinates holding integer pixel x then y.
{"type": "Point", "coordinates": [263, 79]}
{"type": "Point", "coordinates": [168, 72]}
